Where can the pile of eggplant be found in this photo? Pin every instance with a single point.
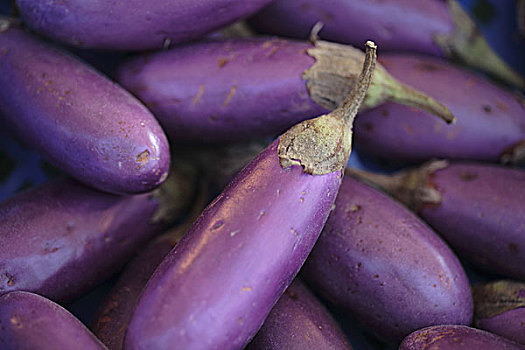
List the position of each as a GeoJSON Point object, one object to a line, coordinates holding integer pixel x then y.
{"type": "Point", "coordinates": [176, 175]}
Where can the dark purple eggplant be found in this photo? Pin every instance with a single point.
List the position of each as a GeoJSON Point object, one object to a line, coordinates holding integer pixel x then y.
{"type": "Point", "coordinates": [479, 209]}
{"type": "Point", "coordinates": [490, 120]}
{"type": "Point", "coordinates": [219, 91]}
{"type": "Point", "coordinates": [432, 27]}
{"type": "Point", "coordinates": [79, 120]}
{"type": "Point", "coordinates": [499, 308]}
{"type": "Point", "coordinates": [31, 322]}
{"type": "Point", "coordinates": [379, 262]}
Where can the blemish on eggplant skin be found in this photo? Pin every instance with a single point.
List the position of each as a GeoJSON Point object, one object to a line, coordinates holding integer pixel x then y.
{"type": "Point", "coordinates": [217, 224]}
{"type": "Point", "coordinates": [513, 248]}
{"type": "Point", "coordinates": [142, 158]}
{"type": "Point", "coordinates": [487, 108]}
{"type": "Point", "coordinates": [467, 176]}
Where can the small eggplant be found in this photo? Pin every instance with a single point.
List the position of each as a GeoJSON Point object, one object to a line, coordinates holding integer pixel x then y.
{"type": "Point", "coordinates": [219, 91]}
{"type": "Point", "coordinates": [479, 209]}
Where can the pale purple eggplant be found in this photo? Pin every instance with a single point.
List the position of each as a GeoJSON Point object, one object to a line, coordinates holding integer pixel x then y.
{"type": "Point", "coordinates": [379, 262]}
{"type": "Point", "coordinates": [454, 337]}
{"type": "Point", "coordinates": [499, 308]}
{"type": "Point", "coordinates": [132, 24]}
{"type": "Point", "coordinates": [299, 321]}
{"type": "Point", "coordinates": [216, 287]}
{"type": "Point", "coordinates": [243, 88]}
{"type": "Point", "coordinates": [63, 238]}
{"type": "Point", "coordinates": [432, 27]}
{"type": "Point", "coordinates": [479, 209]}
{"type": "Point", "coordinates": [31, 322]}
{"type": "Point", "coordinates": [79, 120]}
{"type": "Point", "coordinates": [490, 120]}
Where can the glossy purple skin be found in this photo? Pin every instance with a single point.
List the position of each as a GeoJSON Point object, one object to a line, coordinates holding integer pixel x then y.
{"type": "Point", "coordinates": [205, 92]}
{"type": "Point", "coordinates": [391, 24]}
{"type": "Point", "coordinates": [31, 322]}
{"type": "Point", "coordinates": [132, 24]}
{"type": "Point", "coordinates": [111, 322]}
{"type": "Point", "coordinates": [489, 119]}
{"type": "Point", "coordinates": [298, 322]}
{"type": "Point", "coordinates": [216, 287]}
{"type": "Point", "coordinates": [79, 120]}
{"type": "Point", "coordinates": [62, 238]}
{"type": "Point", "coordinates": [379, 262]}
{"type": "Point", "coordinates": [482, 215]}
{"type": "Point", "coordinates": [452, 337]}
{"type": "Point", "coordinates": [510, 324]}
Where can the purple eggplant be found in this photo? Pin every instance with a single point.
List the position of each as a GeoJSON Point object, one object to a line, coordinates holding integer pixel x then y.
{"type": "Point", "coordinates": [298, 322]}
{"type": "Point", "coordinates": [453, 337]}
{"type": "Point", "coordinates": [432, 27]}
{"type": "Point", "coordinates": [478, 209]}
{"type": "Point", "coordinates": [63, 238]}
{"type": "Point", "coordinates": [216, 287]}
{"type": "Point", "coordinates": [79, 120]}
{"type": "Point", "coordinates": [378, 261]}
{"type": "Point", "coordinates": [132, 24]}
{"type": "Point", "coordinates": [490, 120]}
{"type": "Point", "coordinates": [31, 322]}
{"type": "Point", "coordinates": [238, 89]}
{"type": "Point", "coordinates": [499, 308]}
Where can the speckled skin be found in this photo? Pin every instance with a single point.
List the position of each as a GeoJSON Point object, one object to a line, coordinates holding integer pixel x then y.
{"type": "Point", "coordinates": [132, 24]}
{"type": "Point", "coordinates": [510, 324]}
{"type": "Point", "coordinates": [79, 120]}
{"type": "Point", "coordinates": [388, 23]}
{"type": "Point", "coordinates": [379, 262]}
{"type": "Point", "coordinates": [298, 322]}
{"type": "Point", "coordinates": [453, 337]}
{"type": "Point", "coordinates": [31, 322]}
{"type": "Point", "coordinates": [113, 315]}
{"type": "Point", "coordinates": [490, 120]}
{"type": "Point", "coordinates": [217, 104]}
{"type": "Point", "coordinates": [215, 288]}
{"type": "Point", "coordinates": [481, 215]}
{"type": "Point", "coordinates": [62, 238]}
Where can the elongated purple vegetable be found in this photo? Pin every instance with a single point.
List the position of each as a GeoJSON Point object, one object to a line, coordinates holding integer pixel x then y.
{"type": "Point", "coordinates": [478, 209]}
{"type": "Point", "coordinates": [132, 24]}
{"type": "Point", "coordinates": [432, 27]}
{"type": "Point", "coordinates": [379, 262]}
{"type": "Point", "coordinates": [80, 121]}
{"type": "Point", "coordinates": [499, 308]}
{"type": "Point", "coordinates": [31, 322]}
{"type": "Point", "coordinates": [216, 287]}
{"type": "Point", "coordinates": [63, 238]}
{"type": "Point", "coordinates": [453, 337]}
{"type": "Point", "coordinates": [243, 88]}
{"type": "Point", "coordinates": [490, 120]}
{"type": "Point", "coordinates": [298, 321]}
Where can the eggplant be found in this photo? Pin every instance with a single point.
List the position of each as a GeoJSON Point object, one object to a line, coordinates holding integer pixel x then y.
{"type": "Point", "coordinates": [479, 209]}
{"type": "Point", "coordinates": [499, 308]}
{"type": "Point", "coordinates": [31, 322]}
{"type": "Point", "coordinates": [131, 25]}
{"type": "Point", "coordinates": [452, 337]}
{"type": "Point", "coordinates": [220, 91]}
{"type": "Point", "coordinates": [216, 287]}
{"type": "Point", "coordinates": [490, 120]}
{"type": "Point", "coordinates": [380, 263]}
{"type": "Point", "coordinates": [79, 120]}
{"type": "Point", "coordinates": [432, 27]}
{"type": "Point", "coordinates": [62, 238]}
{"type": "Point", "coordinates": [299, 321]}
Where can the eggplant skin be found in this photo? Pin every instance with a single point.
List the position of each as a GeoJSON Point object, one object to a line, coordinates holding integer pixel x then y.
{"type": "Point", "coordinates": [489, 119]}
{"type": "Point", "coordinates": [452, 337]}
{"type": "Point", "coordinates": [131, 24]}
{"type": "Point", "coordinates": [31, 322]}
{"type": "Point", "coordinates": [297, 322]}
{"type": "Point", "coordinates": [80, 121]}
{"type": "Point", "coordinates": [379, 262]}
{"type": "Point", "coordinates": [216, 287]}
{"type": "Point", "coordinates": [509, 324]}
{"type": "Point", "coordinates": [62, 238]}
